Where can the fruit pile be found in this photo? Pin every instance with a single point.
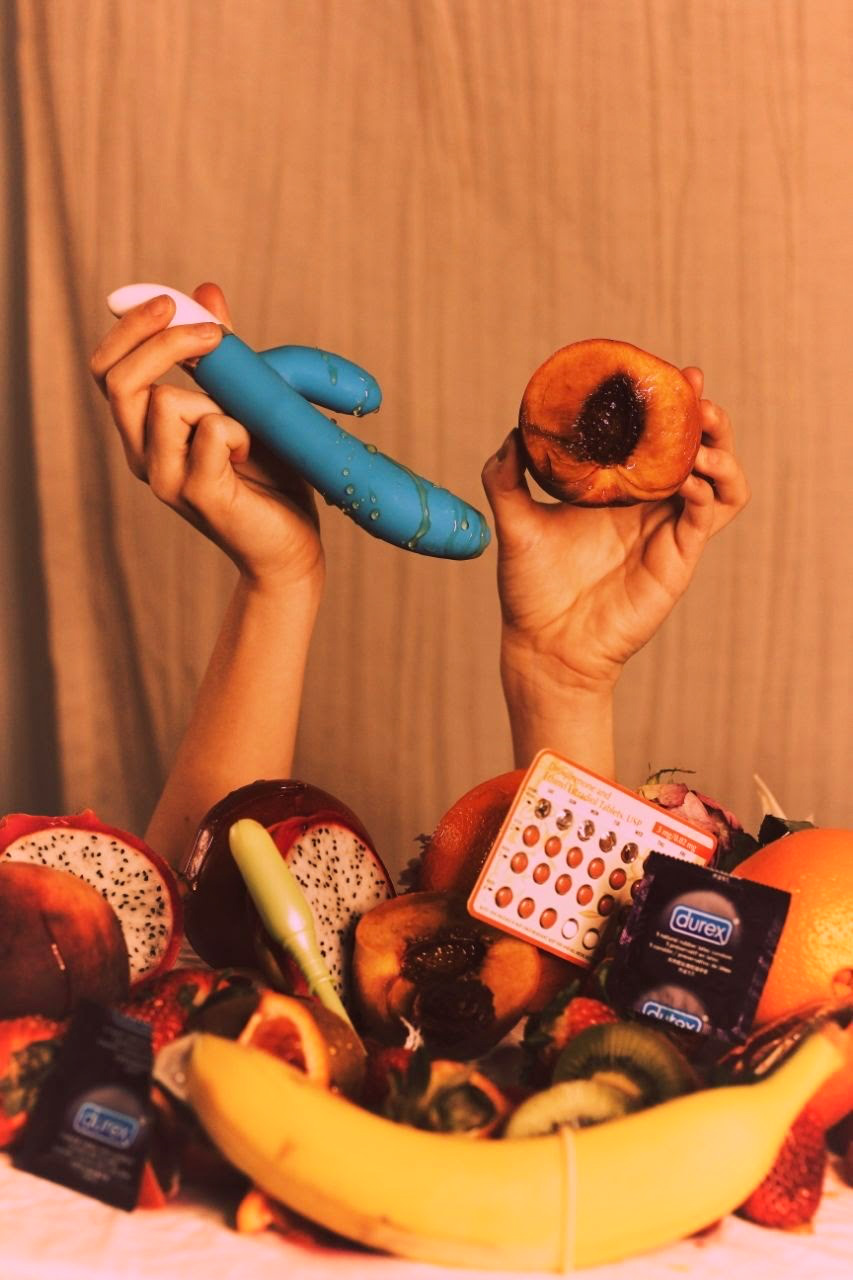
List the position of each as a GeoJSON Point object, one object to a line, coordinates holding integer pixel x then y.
{"type": "Point", "coordinates": [498, 1090]}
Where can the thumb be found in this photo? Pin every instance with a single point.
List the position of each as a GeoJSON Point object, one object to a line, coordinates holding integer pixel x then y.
{"type": "Point", "coordinates": [506, 488]}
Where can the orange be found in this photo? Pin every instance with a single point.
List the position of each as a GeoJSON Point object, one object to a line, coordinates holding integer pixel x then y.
{"type": "Point", "coordinates": [301, 1031]}
{"type": "Point", "coordinates": [464, 837]}
{"type": "Point", "coordinates": [814, 958]}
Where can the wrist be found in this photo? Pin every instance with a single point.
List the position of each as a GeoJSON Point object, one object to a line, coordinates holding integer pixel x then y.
{"type": "Point", "coordinates": [538, 675]}
{"type": "Point", "coordinates": [286, 583]}
{"type": "Point", "coordinates": [553, 706]}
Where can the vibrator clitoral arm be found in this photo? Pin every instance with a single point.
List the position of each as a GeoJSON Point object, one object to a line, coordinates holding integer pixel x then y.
{"type": "Point", "coordinates": [269, 392]}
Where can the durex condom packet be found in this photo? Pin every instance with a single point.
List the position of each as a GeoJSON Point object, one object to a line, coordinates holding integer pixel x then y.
{"type": "Point", "coordinates": [696, 948]}
{"type": "Point", "coordinates": [91, 1124]}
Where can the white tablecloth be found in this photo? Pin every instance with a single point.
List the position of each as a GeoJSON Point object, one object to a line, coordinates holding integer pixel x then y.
{"type": "Point", "coordinates": [50, 1233]}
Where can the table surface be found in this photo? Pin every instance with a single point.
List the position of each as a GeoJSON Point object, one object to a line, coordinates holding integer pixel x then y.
{"type": "Point", "coordinates": [50, 1233]}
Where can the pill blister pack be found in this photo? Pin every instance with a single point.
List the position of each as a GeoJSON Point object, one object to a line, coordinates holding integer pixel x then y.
{"type": "Point", "coordinates": [570, 854]}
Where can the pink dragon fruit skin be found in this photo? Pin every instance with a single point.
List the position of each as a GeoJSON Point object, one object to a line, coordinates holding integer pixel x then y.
{"type": "Point", "coordinates": [692, 805]}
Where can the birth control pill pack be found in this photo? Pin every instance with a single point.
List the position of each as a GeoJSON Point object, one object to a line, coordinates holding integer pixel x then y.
{"type": "Point", "coordinates": [570, 854]}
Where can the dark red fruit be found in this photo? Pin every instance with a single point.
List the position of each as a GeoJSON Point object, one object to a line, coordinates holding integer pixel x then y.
{"type": "Point", "coordinates": [220, 920]}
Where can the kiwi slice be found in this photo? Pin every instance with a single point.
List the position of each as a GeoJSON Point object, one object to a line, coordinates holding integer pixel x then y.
{"type": "Point", "coordinates": [573, 1104]}
{"type": "Point", "coordinates": [628, 1056]}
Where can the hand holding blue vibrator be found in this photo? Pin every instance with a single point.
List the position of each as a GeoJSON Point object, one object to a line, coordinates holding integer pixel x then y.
{"type": "Point", "coordinates": [270, 393]}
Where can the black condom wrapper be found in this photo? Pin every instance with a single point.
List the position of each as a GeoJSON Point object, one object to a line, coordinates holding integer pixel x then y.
{"type": "Point", "coordinates": [91, 1125]}
{"type": "Point", "coordinates": [696, 948]}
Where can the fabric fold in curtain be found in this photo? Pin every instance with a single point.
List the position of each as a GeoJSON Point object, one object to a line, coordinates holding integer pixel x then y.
{"type": "Point", "coordinates": [445, 191]}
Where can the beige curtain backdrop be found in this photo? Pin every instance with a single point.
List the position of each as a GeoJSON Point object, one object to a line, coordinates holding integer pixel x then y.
{"type": "Point", "coordinates": [445, 191]}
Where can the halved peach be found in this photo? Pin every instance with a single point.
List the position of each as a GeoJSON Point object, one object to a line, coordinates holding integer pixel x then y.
{"type": "Point", "coordinates": [457, 849]}
{"type": "Point", "coordinates": [422, 959]}
{"type": "Point", "coordinates": [604, 423]}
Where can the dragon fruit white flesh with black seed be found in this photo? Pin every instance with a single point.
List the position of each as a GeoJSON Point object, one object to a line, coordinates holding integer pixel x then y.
{"type": "Point", "coordinates": [136, 882]}
{"type": "Point", "coordinates": [341, 876]}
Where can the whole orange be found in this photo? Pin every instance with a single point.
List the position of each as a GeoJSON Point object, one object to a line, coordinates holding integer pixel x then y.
{"type": "Point", "coordinates": [461, 842]}
{"type": "Point", "coordinates": [814, 958]}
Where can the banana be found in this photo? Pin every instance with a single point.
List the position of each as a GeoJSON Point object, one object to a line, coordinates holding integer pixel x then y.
{"type": "Point", "coordinates": [569, 1199]}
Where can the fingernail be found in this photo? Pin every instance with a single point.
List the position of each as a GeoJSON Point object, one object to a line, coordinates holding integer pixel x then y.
{"type": "Point", "coordinates": [206, 331]}
{"type": "Point", "coordinates": [158, 306]}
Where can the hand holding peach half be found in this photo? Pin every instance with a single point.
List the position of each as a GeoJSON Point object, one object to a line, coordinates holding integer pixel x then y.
{"type": "Point", "coordinates": [605, 424]}
{"type": "Point", "coordinates": [645, 473]}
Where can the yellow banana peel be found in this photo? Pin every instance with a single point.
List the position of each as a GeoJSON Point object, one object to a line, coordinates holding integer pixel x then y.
{"type": "Point", "coordinates": [524, 1204]}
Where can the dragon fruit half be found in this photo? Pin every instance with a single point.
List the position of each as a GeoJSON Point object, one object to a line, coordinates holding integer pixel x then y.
{"type": "Point", "coordinates": [341, 877]}
{"type": "Point", "coordinates": [330, 855]}
{"type": "Point", "coordinates": [136, 882]}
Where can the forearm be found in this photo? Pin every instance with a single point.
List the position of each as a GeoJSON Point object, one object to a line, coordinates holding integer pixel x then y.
{"type": "Point", "coordinates": [548, 709]}
{"type": "Point", "coordinates": [246, 714]}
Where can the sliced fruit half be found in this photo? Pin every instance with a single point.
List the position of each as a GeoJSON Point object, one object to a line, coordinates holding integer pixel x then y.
{"type": "Point", "coordinates": [309, 1036]}
{"type": "Point", "coordinates": [572, 1104]}
{"type": "Point", "coordinates": [636, 1059]}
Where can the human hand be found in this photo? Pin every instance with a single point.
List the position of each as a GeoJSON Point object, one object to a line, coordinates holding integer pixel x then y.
{"type": "Point", "coordinates": [197, 460]}
{"type": "Point", "coordinates": [582, 589]}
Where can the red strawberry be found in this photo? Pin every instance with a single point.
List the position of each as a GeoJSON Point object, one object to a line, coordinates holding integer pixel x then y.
{"type": "Point", "coordinates": [583, 1012]}
{"type": "Point", "coordinates": [167, 1002]}
{"type": "Point", "coordinates": [28, 1049]}
{"type": "Point", "coordinates": [790, 1194]}
{"type": "Point", "coordinates": [558, 1023]}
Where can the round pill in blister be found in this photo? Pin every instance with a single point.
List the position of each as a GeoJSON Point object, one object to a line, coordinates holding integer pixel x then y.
{"type": "Point", "coordinates": [518, 861]}
{"type": "Point", "coordinates": [606, 904]}
{"type": "Point", "coordinates": [526, 908]}
{"type": "Point", "coordinates": [562, 884]}
{"type": "Point", "coordinates": [503, 897]}
{"type": "Point", "coordinates": [585, 894]}
{"type": "Point", "coordinates": [617, 878]}
{"type": "Point", "coordinates": [530, 835]}
{"type": "Point", "coordinates": [575, 856]}
{"type": "Point", "coordinates": [590, 939]}
{"type": "Point", "coordinates": [630, 852]}
{"type": "Point", "coordinates": [586, 830]}
{"type": "Point", "coordinates": [548, 918]}
{"type": "Point", "coordinates": [543, 808]}
{"type": "Point", "coordinates": [595, 868]}
{"type": "Point", "coordinates": [565, 820]}
{"type": "Point", "coordinates": [553, 845]}
{"type": "Point", "coordinates": [541, 872]}
{"type": "Point", "coordinates": [635, 888]}
{"type": "Point", "coordinates": [608, 842]}
{"type": "Point", "coordinates": [570, 928]}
